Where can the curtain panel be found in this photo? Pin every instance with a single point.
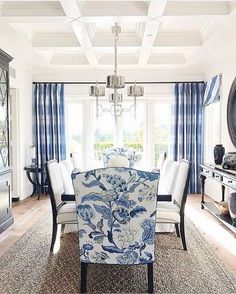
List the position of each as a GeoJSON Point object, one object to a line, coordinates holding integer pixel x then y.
{"type": "Point", "coordinates": [187, 129]}
{"type": "Point", "coordinates": [212, 90]}
{"type": "Point", "coordinates": [49, 122]}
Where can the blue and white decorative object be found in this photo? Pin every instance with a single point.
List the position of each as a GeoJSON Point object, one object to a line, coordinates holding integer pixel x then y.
{"type": "Point", "coordinates": [129, 153]}
{"type": "Point", "coordinates": [116, 210]}
{"type": "Point", "coordinates": [229, 160]}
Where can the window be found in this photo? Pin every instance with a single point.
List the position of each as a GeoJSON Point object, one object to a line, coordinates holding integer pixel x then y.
{"type": "Point", "coordinates": [134, 132]}
{"type": "Point", "coordinates": [148, 135]}
{"type": "Point", "coordinates": [162, 129]}
{"type": "Point", "coordinates": [75, 129]}
{"type": "Point", "coordinates": [104, 134]}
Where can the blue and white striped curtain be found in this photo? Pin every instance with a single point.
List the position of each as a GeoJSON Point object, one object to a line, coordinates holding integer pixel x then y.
{"type": "Point", "coordinates": [187, 141]}
{"type": "Point", "coordinates": [49, 119]}
{"type": "Point", "coordinates": [212, 90]}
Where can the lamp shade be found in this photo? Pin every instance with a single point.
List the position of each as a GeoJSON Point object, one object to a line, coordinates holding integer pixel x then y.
{"type": "Point", "coordinates": [135, 91]}
{"type": "Point", "coordinates": [96, 91]}
{"type": "Point", "coordinates": [115, 97]}
{"type": "Point", "coordinates": [115, 82]}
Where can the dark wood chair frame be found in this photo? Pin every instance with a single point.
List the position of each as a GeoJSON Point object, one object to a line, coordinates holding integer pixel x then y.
{"type": "Point", "coordinates": [55, 208]}
{"type": "Point", "coordinates": [179, 228]}
{"type": "Point", "coordinates": [84, 270]}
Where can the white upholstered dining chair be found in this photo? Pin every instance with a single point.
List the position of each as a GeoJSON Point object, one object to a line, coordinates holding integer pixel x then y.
{"type": "Point", "coordinates": [62, 212]}
{"type": "Point", "coordinates": [173, 212]}
{"type": "Point", "coordinates": [116, 210]}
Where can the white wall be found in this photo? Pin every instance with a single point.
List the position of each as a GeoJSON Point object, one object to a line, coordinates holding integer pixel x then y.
{"type": "Point", "coordinates": [20, 50]}
{"type": "Point", "coordinates": [221, 58]}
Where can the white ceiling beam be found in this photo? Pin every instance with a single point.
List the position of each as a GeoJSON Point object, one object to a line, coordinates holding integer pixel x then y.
{"type": "Point", "coordinates": [165, 39]}
{"type": "Point", "coordinates": [22, 29]}
{"type": "Point", "coordinates": [72, 10]}
{"type": "Point", "coordinates": [156, 9]}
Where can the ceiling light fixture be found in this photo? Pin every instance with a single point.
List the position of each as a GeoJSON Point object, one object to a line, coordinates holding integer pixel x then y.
{"type": "Point", "coordinates": [116, 82]}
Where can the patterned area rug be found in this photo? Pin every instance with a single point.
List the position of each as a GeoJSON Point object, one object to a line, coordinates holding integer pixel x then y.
{"type": "Point", "coordinates": [28, 267]}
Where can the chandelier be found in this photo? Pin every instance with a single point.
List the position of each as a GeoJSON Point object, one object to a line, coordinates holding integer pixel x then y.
{"type": "Point", "coordinates": [116, 82]}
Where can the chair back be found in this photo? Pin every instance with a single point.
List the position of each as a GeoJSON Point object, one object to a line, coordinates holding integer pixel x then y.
{"type": "Point", "coordinates": [169, 180]}
{"type": "Point", "coordinates": [165, 171]}
{"type": "Point", "coordinates": [56, 188]}
{"type": "Point", "coordinates": [116, 210]}
{"type": "Point", "coordinates": [161, 160]}
{"type": "Point", "coordinates": [75, 159]}
{"type": "Point", "coordinates": [68, 165]}
{"type": "Point", "coordinates": [129, 153]}
{"type": "Point", "coordinates": [182, 181]}
{"type": "Point", "coordinates": [66, 179]}
{"type": "Point", "coordinates": [118, 161]}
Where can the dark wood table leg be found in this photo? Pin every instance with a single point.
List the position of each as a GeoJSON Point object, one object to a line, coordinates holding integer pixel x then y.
{"type": "Point", "coordinates": [223, 192]}
{"type": "Point", "coordinates": [202, 179]}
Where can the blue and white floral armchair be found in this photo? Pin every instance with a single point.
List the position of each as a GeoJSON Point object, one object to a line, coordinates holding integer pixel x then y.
{"type": "Point", "coordinates": [116, 209]}
{"type": "Point", "coordinates": [126, 152]}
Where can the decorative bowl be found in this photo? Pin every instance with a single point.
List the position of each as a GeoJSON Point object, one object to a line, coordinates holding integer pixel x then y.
{"type": "Point", "coordinates": [223, 207]}
{"type": "Point", "coordinates": [229, 160]}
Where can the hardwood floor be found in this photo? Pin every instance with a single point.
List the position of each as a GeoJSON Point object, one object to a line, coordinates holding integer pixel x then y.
{"type": "Point", "coordinates": [222, 240]}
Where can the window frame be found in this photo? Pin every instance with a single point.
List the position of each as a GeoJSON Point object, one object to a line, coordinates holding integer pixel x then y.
{"type": "Point", "coordinates": [88, 131]}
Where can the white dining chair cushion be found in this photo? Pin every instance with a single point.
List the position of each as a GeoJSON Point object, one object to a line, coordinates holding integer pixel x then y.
{"type": "Point", "coordinates": [67, 213]}
{"type": "Point", "coordinates": [56, 180]}
{"type": "Point", "coordinates": [66, 180]}
{"type": "Point", "coordinates": [180, 182]}
{"type": "Point", "coordinates": [69, 166]}
{"type": "Point", "coordinates": [118, 161]}
{"type": "Point", "coordinates": [167, 205]}
{"type": "Point", "coordinates": [167, 213]}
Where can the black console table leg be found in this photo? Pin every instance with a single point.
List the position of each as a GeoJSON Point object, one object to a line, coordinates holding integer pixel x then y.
{"type": "Point", "coordinates": [202, 179]}
{"type": "Point", "coordinates": [223, 192]}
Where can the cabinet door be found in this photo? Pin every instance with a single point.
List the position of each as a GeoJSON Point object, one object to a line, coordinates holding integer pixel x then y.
{"type": "Point", "coordinates": [3, 118]}
{"type": "Point", "coordinates": [5, 201]}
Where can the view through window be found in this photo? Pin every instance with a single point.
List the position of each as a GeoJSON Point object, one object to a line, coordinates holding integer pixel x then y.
{"type": "Point", "coordinates": [162, 129]}
{"type": "Point", "coordinates": [75, 129]}
{"type": "Point", "coordinates": [89, 137]}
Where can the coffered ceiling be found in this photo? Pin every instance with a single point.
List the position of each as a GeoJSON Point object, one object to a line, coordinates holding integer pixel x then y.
{"type": "Point", "coordinates": [155, 33]}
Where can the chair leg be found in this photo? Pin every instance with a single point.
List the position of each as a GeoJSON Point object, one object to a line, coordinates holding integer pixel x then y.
{"type": "Point", "coordinates": [62, 229]}
{"type": "Point", "coordinates": [182, 233]}
{"type": "Point", "coordinates": [177, 230]}
{"type": "Point", "coordinates": [150, 277]}
{"type": "Point", "coordinates": [83, 277]}
{"type": "Point", "coordinates": [54, 234]}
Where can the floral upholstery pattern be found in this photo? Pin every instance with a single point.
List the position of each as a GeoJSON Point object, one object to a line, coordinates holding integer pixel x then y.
{"type": "Point", "coordinates": [127, 152]}
{"type": "Point", "coordinates": [116, 210]}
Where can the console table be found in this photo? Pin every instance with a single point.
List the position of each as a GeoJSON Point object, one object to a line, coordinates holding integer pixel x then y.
{"type": "Point", "coordinates": [227, 178]}
{"type": "Point", "coordinates": [33, 174]}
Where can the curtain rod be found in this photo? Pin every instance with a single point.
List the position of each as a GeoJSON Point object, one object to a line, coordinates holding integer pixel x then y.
{"type": "Point", "coordinates": [94, 82]}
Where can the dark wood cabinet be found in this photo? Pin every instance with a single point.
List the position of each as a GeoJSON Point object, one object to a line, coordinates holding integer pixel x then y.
{"type": "Point", "coordinates": [6, 218]}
